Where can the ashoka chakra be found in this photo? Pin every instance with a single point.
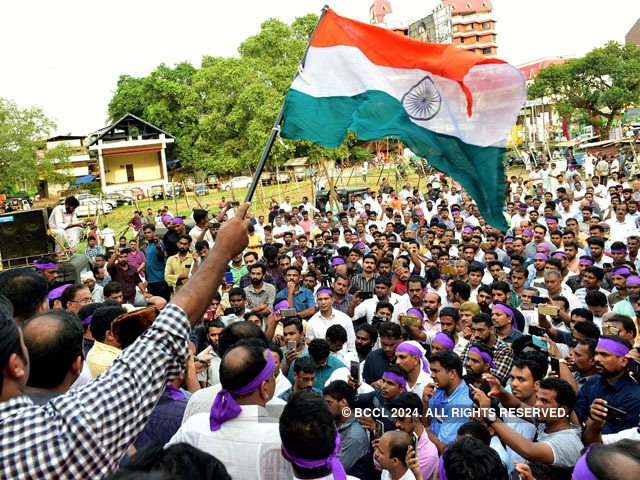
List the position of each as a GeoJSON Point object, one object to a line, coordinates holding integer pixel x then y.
{"type": "Point", "coordinates": [423, 101]}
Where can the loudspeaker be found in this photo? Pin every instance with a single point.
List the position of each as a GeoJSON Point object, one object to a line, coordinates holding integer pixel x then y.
{"type": "Point", "coordinates": [23, 234]}
{"type": "Point", "coordinates": [71, 270]}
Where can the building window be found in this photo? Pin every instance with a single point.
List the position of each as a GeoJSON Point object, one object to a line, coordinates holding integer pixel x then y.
{"type": "Point", "coordinates": [469, 27]}
{"type": "Point", "coordinates": [493, 38]}
{"type": "Point", "coordinates": [477, 38]}
{"type": "Point", "coordinates": [486, 51]}
{"type": "Point", "coordinates": [462, 39]}
{"type": "Point", "coordinates": [485, 25]}
{"type": "Point", "coordinates": [455, 28]}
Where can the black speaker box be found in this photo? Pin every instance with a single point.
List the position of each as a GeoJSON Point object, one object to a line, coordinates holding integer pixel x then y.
{"type": "Point", "coordinates": [71, 270]}
{"type": "Point", "coordinates": [23, 234]}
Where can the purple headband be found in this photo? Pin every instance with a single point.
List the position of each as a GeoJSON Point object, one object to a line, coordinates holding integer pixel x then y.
{"type": "Point", "coordinates": [225, 407]}
{"type": "Point", "coordinates": [359, 244]}
{"type": "Point", "coordinates": [337, 261]}
{"type": "Point", "coordinates": [280, 305]}
{"type": "Point", "coordinates": [633, 280]}
{"type": "Point", "coordinates": [87, 320]}
{"type": "Point", "coordinates": [442, 473]}
{"type": "Point", "coordinates": [585, 260]}
{"type": "Point", "coordinates": [166, 217]}
{"type": "Point", "coordinates": [541, 255]}
{"type": "Point", "coordinates": [552, 220]}
{"type": "Point", "coordinates": [611, 346]}
{"type": "Point", "coordinates": [582, 470]}
{"type": "Point", "coordinates": [618, 250]}
{"type": "Point", "coordinates": [326, 291]}
{"type": "Point", "coordinates": [44, 266]}
{"type": "Point", "coordinates": [621, 271]}
{"type": "Point", "coordinates": [467, 229]}
{"type": "Point", "coordinates": [395, 378]}
{"type": "Point", "coordinates": [175, 393]}
{"type": "Point", "coordinates": [415, 311]}
{"type": "Point", "coordinates": [560, 254]}
{"type": "Point", "coordinates": [485, 356]}
{"type": "Point", "coordinates": [505, 309]}
{"type": "Point", "coordinates": [297, 251]}
{"type": "Point", "coordinates": [527, 232]}
{"type": "Point", "coordinates": [545, 246]}
{"type": "Point", "coordinates": [57, 292]}
{"type": "Point", "coordinates": [523, 208]}
{"type": "Point", "coordinates": [178, 220]}
{"type": "Point", "coordinates": [444, 340]}
{"type": "Point", "coordinates": [453, 212]}
{"type": "Point", "coordinates": [413, 350]}
{"type": "Point", "coordinates": [331, 461]}
{"type": "Point", "coordinates": [508, 239]}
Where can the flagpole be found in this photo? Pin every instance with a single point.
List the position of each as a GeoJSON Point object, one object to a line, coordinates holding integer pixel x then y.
{"type": "Point", "coordinates": [276, 125]}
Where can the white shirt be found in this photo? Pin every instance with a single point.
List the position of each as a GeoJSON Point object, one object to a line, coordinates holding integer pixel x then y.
{"type": "Point", "coordinates": [195, 233]}
{"type": "Point", "coordinates": [282, 384]}
{"type": "Point", "coordinates": [277, 230]}
{"type": "Point", "coordinates": [60, 219]}
{"type": "Point", "coordinates": [211, 375]}
{"type": "Point", "coordinates": [407, 476]}
{"type": "Point", "coordinates": [109, 237]}
{"type": "Point", "coordinates": [630, 433]}
{"type": "Point", "coordinates": [423, 380]}
{"type": "Point", "coordinates": [622, 230]}
{"type": "Point", "coordinates": [286, 206]}
{"type": "Point", "coordinates": [249, 445]}
{"type": "Point", "coordinates": [367, 308]}
{"type": "Point", "coordinates": [317, 327]}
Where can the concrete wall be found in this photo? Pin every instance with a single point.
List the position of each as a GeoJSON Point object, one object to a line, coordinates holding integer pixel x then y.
{"type": "Point", "coordinates": [146, 166]}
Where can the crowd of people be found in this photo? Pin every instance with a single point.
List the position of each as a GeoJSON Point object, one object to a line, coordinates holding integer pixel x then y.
{"type": "Point", "coordinates": [393, 336]}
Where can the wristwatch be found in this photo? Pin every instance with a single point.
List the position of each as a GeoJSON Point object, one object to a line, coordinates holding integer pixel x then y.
{"type": "Point", "coordinates": [491, 417]}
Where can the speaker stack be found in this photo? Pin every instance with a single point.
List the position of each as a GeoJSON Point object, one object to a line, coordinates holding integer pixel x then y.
{"type": "Point", "coordinates": [23, 237]}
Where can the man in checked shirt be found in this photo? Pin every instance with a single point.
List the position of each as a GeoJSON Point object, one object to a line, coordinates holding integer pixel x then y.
{"type": "Point", "coordinates": [85, 433]}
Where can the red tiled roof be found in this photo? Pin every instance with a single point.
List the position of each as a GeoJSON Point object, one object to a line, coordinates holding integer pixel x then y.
{"type": "Point", "coordinates": [531, 70]}
{"type": "Point", "coordinates": [463, 6]}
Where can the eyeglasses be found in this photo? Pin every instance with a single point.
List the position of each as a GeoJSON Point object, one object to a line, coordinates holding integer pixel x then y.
{"type": "Point", "coordinates": [84, 301]}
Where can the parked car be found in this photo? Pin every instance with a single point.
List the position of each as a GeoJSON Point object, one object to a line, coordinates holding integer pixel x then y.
{"type": "Point", "coordinates": [282, 177]}
{"type": "Point", "coordinates": [237, 182]}
{"type": "Point", "coordinates": [265, 178]}
{"type": "Point", "coordinates": [90, 207]}
{"type": "Point", "coordinates": [300, 172]}
{"type": "Point", "coordinates": [119, 198]}
{"type": "Point", "coordinates": [190, 184]}
{"type": "Point", "coordinates": [201, 190]}
{"type": "Point", "coordinates": [213, 182]}
{"type": "Point", "coordinates": [158, 194]}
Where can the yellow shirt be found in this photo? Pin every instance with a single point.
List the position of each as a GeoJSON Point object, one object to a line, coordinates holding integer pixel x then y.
{"type": "Point", "coordinates": [255, 241]}
{"type": "Point", "coordinates": [100, 357]}
{"type": "Point", "coordinates": [176, 267]}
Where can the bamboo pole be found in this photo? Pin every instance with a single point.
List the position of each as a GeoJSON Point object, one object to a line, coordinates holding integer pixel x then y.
{"type": "Point", "coordinates": [278, 180]}
{"type": "Point", "coordinates": [175, 201]}
{"type": "Point", "coordinates": [149, 196]}
{"type": "Point", "coordinates": [186, 195]}
{"type": "Point", "coordinates": [332, 194]}
{"type": "Point", "coordinates": [350, 175]}
{"type": "Point", "coordinates": [295, 179]}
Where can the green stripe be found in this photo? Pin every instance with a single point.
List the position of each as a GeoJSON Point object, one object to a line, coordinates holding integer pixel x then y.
{"type": "Point", "coordinates": [374, 115]}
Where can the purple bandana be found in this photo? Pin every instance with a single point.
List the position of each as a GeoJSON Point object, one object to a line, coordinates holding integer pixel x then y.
{"type": "Point", "coordinates": [395, 378]}
{"type": "Point", "coordinates": [505, 309]}
{"type": "Point", "coordinates": [467, 229]}
{"type": "Point", "coordinates": [325, 291]}
{"type": "Point", "coordinates": [633, 280]}
{"type": "Point", "coordinates": [444, 340]}
{"type": "Point", "coordinates": [331, 461]}
{"type": "Point", "coordinates": [166, 218]}
{"type": "Point", "coordinates": [175, 393]}
{"type": "Point", "coordinates": [585, 260]}
{"type": "Point", "coordinates": [415, 311]}
{"type": "Point", "coordinates": [485, 356]}
{"type": "Point", "coordinates": [559, 254]}
{"type": "Point", "coordinates": [178, 220]}
{"type": "Point", "coordinates": [545, 246]}
{"type": "Point", "coordinates": [552, 220]}
{"type": "Point", "coordinates": [528, 233]}
{"type": "Point", "coordinates": [226, 408]}
{"type": "Point", "coordinates": [621, 271]}
{"type": "Point", "coordinates": [44, 266]}
{"type": "Point", "coordinates": [581, 470]}
{"type": "Point", "coordinates": [541, 255]}
{"type": "Point", "coordinates": [618, 250]}
{"type": "Point", "coordinates": [611, 346]}
{"type": "Point", "coordinates": [508, 239]}
{"type": "Point", "coordinates": [337, 261]}
{"type": "Point", "coordinates": [87, 320]}
{"type": "Point", "coordinates": [359, 245]}
{"type": "Point", "coordinates": [415, 351]}
{"type": "Point", "coordinates": [280, 305]}
{"type": "Point", "coordinates": [57, 292]}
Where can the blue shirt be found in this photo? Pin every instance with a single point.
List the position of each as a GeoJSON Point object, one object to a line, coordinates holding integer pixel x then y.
{"type": "Point", "coordinates": [374, 366]}
{"type": "Point", "coordinates": [288, 393]}
{"type": "Point", "coordinates": [301, 300]}
{"type": "Point", "coordinates": [323, 373]}
{"type": "Point", "coordinates": [453, 411]}
{"type": "Point", "coordinates": [623, 393]}
{"type": "Point", "coordinates": [155, 267]}
{"type": "Point", "coordinates": [164, 422]}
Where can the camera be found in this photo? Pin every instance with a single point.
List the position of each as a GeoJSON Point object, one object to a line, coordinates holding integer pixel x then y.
{"type": "Point", "coordinates": [125, 250]}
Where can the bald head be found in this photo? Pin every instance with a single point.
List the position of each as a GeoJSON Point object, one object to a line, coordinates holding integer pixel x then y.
{"type": "Point", "coordinates": [54, 342]}
{"type": "Point", "coordinates": [240, 365]}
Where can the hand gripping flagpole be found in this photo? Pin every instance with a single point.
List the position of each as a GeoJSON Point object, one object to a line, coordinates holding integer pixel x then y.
{"type": "Point", "coordinates": [276, 126]}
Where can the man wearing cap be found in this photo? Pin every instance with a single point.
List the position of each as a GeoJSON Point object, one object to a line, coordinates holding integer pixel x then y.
{"type": "Point", "coordinates": [88, 280]}
{"type": "Point", "coordinates": [411, 356]}
{"type": "Point", "coordinates": [319, 323]}
{"type": "Point", "coordinates": [236, 428]}
{"type": "Point", "coordinates": [612, 384]}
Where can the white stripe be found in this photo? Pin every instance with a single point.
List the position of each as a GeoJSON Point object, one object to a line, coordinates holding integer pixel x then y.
{"type": "Point", "coordinates": [498, 91]}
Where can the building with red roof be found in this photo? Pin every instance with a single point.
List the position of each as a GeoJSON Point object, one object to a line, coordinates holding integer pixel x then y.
{"type": "Point", "coordinates": [474, 26]}
{"type": "Point", "coordinates": [531, 69]}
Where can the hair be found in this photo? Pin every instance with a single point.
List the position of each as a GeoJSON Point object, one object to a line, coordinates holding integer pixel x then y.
{"type": "Point", "coordinates": [111, 288]}
{"type": "Point", "coordinates": [596, 299]}
{"type": "Point", "coordinates": [86, 311]}
{"type": "Point", "coordinates": [590, 343]}
{"type": "Point", "coordinates": [101, 321]}
{"type": "Point", "coordinates": [72, 202]}
{"type": "Point", "coordinates": [304, 364]}
{"type": "Point", "coordinates": [339, 389]}
{"type": "Point", "coordinates": [9, 336]}
{"type": "Point", "coordinates": [449, 361]}
{"type": "Point", "coordinates": [390, 330]}
{"type": "Point", "coordinates": [259, 265]}
{"type": "Point", "coordinates": [180, 461]}
{"type": "Point", "coordinates": [25, 290]}
{"type": "Point", "coordinates": [588, 329]}
{"type": "Point", "coordinates": [201, 245]}
{"type": "Point", "coordinates": [628, 324]}
{"type": "Point", "coordinates": [482, 318]}
{"type": "Point", "coordinates": [319, 349]}
{"type": "Point", "coordinates": [70, 292]}
{"type": "Point", "coordinates": [52, 350]}
{"type": "Point", "coordinates": [470, 458]}
{"type": "Point", "coordinates": [501, 286]}
{"type": "Point", "coordinates": [293, 321]}
{"type": "Point", "coordinates": [308, 431]}
{"type": "Point", "coordinates": [383, 280]}
{"type": "Point", "coordinates": [596, 271]}
{"type": "Point", "coordinates": [475, 430]}
{"type": "Point", "coordinates": [407, 402]}
{"type": "Point", "coordinates": [450, 312]}
{"type": "Point", "coordinates": [461, 288]}
{"type": "Point", "coordinates": [235, 375]}
{"type": "Point", "coordinates": [583, 313]}
{"type": "Point", "coordinates": [149, 226]}
{"type": "Point", "coordinates": [237, 292]}
{"type": "Point", "coordinates": [336, 333]}
{"type": "Point", "coordinates": [237, 332]}
{"type": "Point", "coordinates": [565, 394]}
{"type": "Point", "coordinates": [538, 370]}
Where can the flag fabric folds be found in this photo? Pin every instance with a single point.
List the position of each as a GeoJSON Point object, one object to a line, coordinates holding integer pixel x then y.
{"type": "Point", "coordinates": [451, 106]}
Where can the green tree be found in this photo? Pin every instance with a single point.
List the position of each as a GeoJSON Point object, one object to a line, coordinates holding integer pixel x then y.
{"type": "Point", "coordinates": [595, 88]}
{"type": "Point", "coordinates": [22, 134]}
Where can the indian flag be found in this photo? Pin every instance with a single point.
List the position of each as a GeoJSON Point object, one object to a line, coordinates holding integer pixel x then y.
{"type": "Point", "coordinates": [453, 107]}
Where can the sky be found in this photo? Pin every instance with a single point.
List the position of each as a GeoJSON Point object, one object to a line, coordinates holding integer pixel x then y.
{"type": "Point", "coordinates": [66, 56]}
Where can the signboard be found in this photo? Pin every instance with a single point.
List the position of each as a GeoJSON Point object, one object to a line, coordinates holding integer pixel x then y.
{"type": "Point", "coordinates": [434, 28]}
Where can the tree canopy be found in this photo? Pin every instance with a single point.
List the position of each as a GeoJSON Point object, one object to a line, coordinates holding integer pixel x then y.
{"type": "Point", "coordinates": [22, 134]}
{"type": "Point", "coordinates": [593, 89]}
